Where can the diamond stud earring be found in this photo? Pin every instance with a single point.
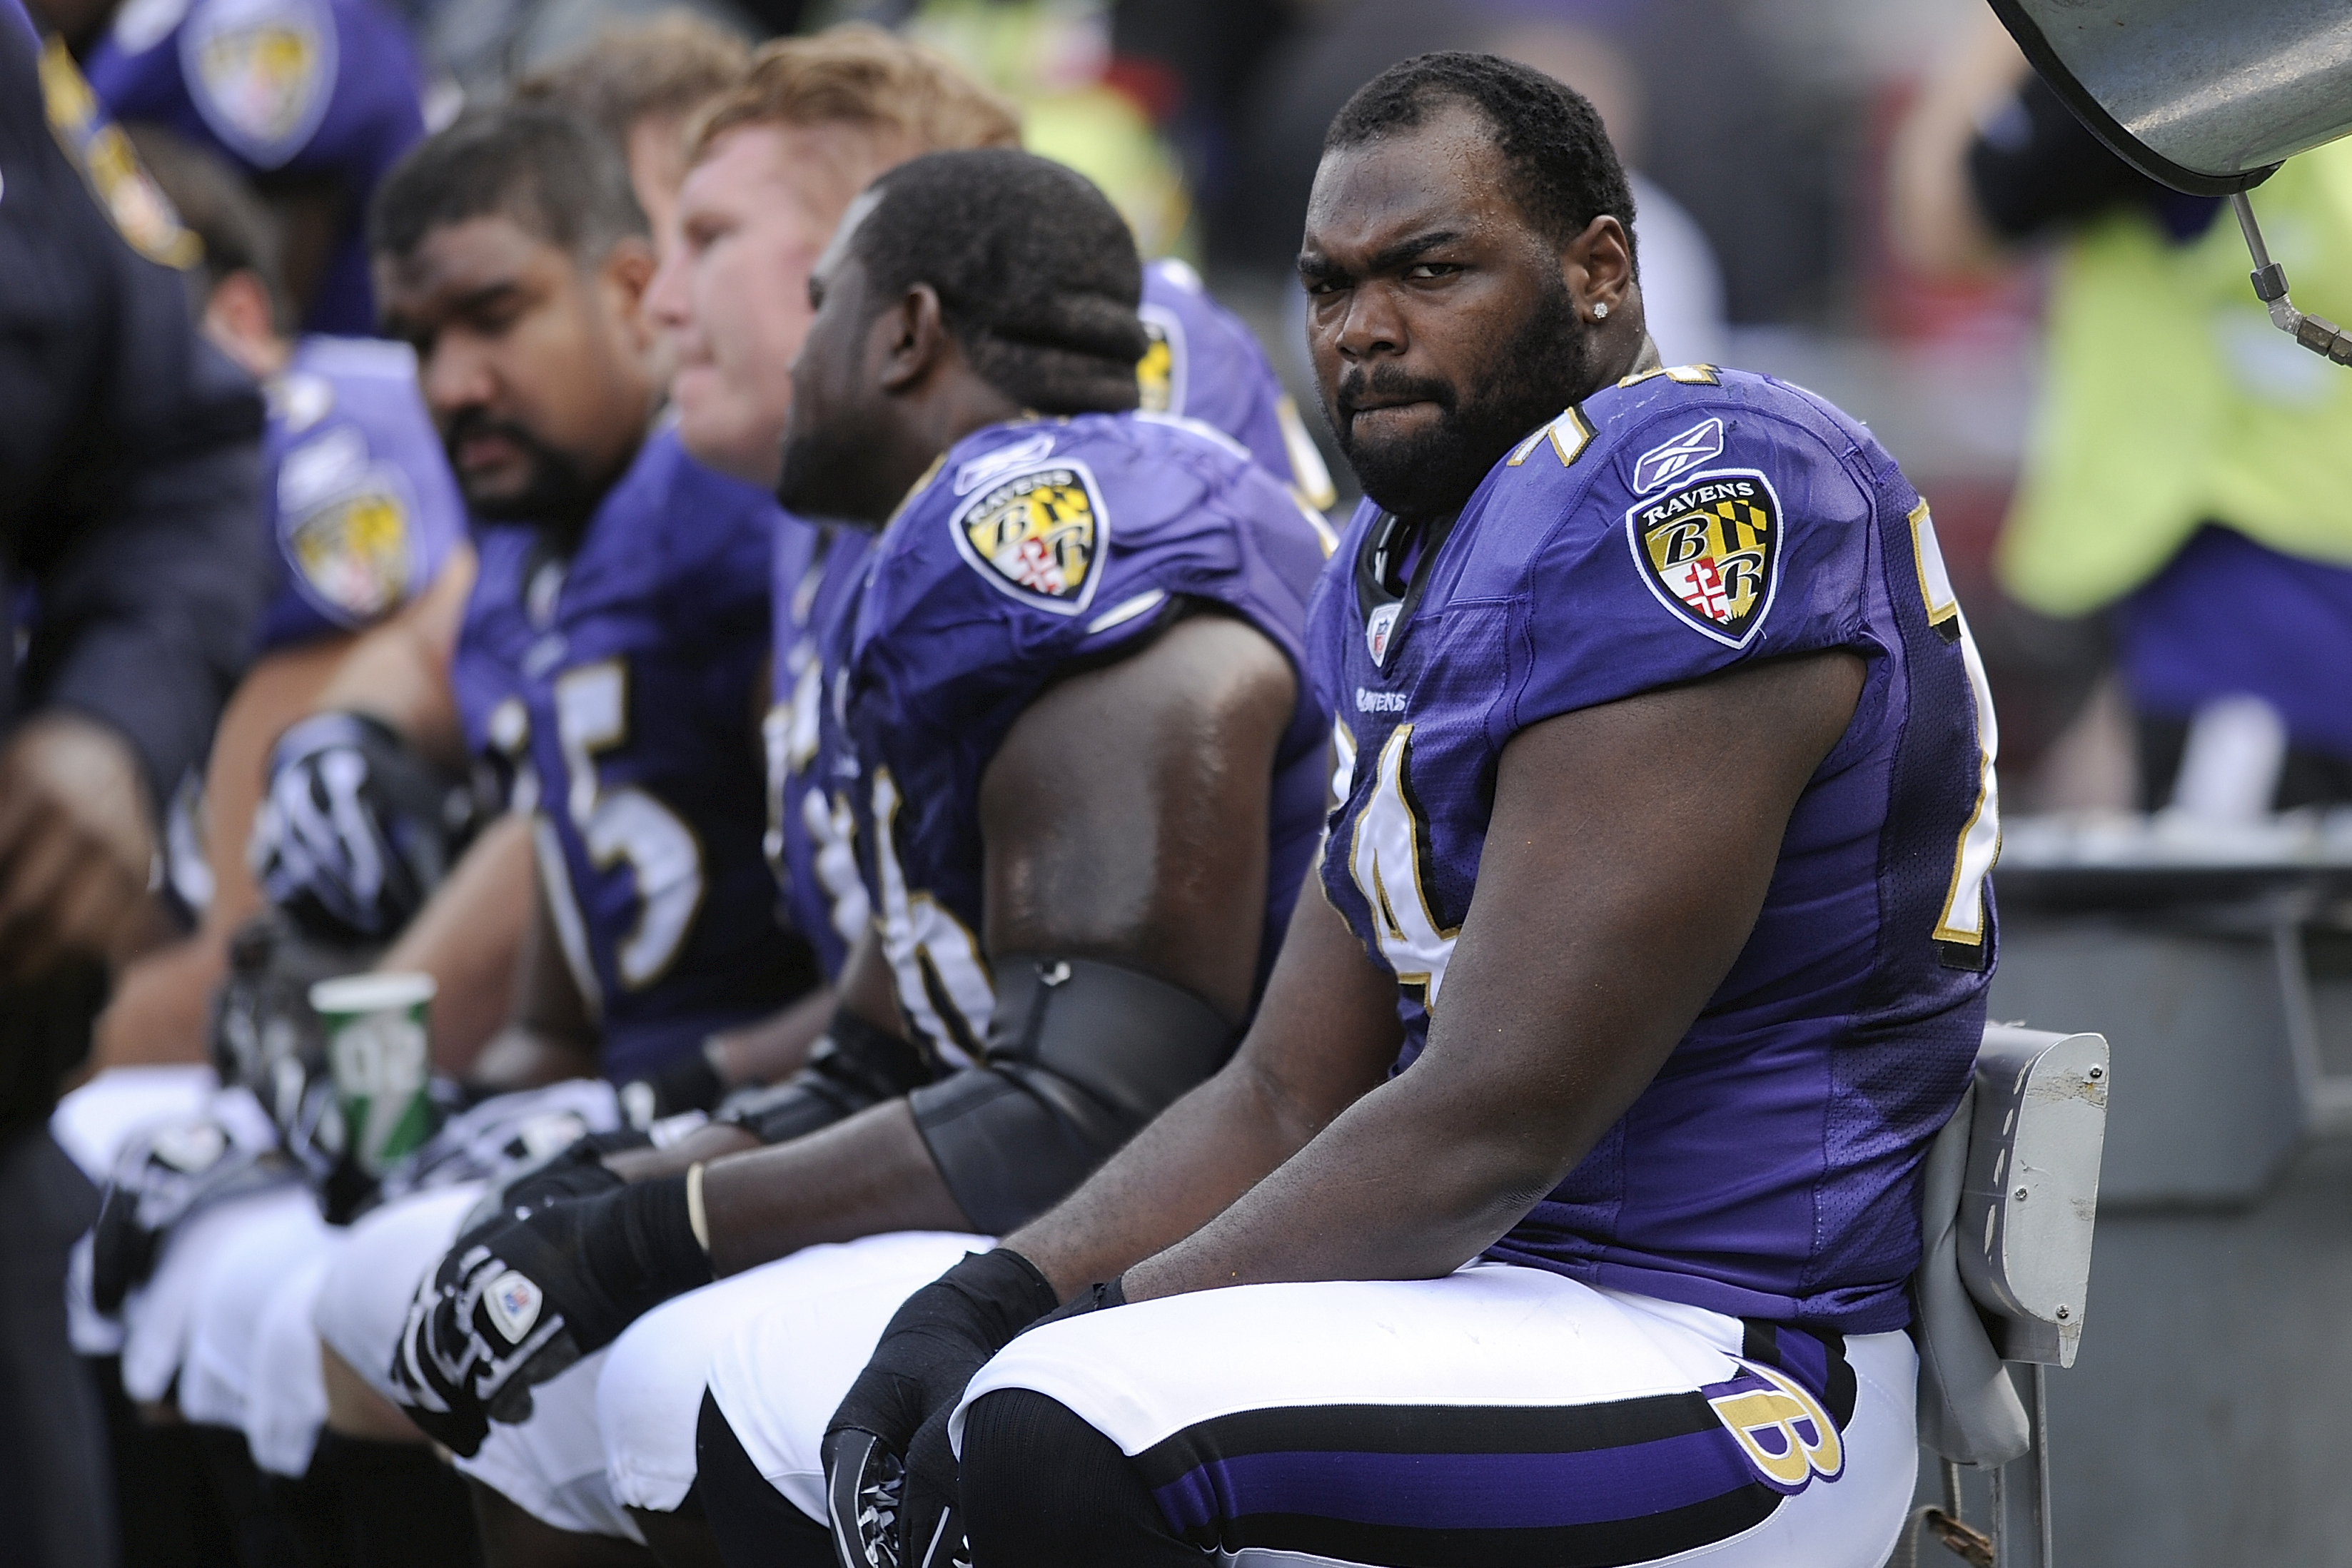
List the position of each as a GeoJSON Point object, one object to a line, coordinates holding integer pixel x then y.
{"type": "Point", "coordinates": [1601, 312]}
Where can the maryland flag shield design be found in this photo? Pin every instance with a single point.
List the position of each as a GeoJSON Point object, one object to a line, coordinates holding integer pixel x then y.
{"type": "Point", "coordinates": [261, 73]}
{"type": "Point", "coordinates": [355, 554]}
{"type": "Point", "coordinates": [1038, 535]}
{"type": "Point", "coordinates": [1710, 551]}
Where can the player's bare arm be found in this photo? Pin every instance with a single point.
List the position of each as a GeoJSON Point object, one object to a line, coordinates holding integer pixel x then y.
{"type": "Point", "coordinates": [1151, 856]}
{"type": "Point", "coordinates": [1325, 1036]}
{"type": "Point", "coordinates": [1611, 904]}
{"type": "Point", "coordinates": [399, 672]}
{"type": "Point", "coordinates": [781, 1044]}
{"type": "Point", "coordinates": [549, 1034]}
{"type": "Point", "coordinates": [469, 937]}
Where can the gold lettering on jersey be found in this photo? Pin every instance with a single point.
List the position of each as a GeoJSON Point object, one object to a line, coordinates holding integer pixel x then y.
{"type": "Point", "coordinates": [1710, 550]}
{"type": "Point", "coordinates": [1038, 535]}
{"type": "Point", "coordinates": [1782, 1430]}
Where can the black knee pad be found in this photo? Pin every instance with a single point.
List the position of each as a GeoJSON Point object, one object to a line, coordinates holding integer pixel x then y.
{"type": "Point", "coordinates": [754, 1526]}
{"type": "Point", "coordinates": [1042, 1488]}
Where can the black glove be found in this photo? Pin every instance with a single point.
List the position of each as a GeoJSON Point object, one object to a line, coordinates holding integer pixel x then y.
{"type": "Point", "coordinates": [355, 829]}
{"type": "Point", "coordinates": [162, 1177]}
{"type": "Point", "coordinates": [524, 1299]}
{"type": "Point", "coordinates": [689, 1083]}
{"type": "Point", "coordinates": [853, 1065]}
{"type": "Point", "coordinates": [880, 1515]}
{"type": "Point", "coordinates": [576, 1171]}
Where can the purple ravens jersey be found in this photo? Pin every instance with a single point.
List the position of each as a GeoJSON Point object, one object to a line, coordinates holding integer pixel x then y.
{"type": "Point", "coordinates": [361, 506]}
{"type": "Point", "coordinates": [819, 570]}
{"type": "Point", "coordinates": [1204, 364]}
{"type": "Point", "coordinates": [617, 689]}
{"type": "Point", "coordinates": [307, 96]}
{"type": "Point", "coordinates": [1670, 527]}
{"type": "Point", "coordinates": [1034, 548]}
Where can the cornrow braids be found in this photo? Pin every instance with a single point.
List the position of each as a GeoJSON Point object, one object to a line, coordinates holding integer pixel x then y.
{"type": "Point", "coordinates": [1037, 273]}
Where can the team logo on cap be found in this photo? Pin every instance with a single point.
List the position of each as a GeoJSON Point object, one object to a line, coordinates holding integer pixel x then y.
{"type": "Point", "coordinates": [1782, 1431]}
{"type": "Point", "coordinates": [1038, 535]}
{"type": "Point", "coordinates": [514, 1301]}
{"type": "Point", "coordinates": [261, 72]}
{"type": "Point", "coordinates": [1709, 549]}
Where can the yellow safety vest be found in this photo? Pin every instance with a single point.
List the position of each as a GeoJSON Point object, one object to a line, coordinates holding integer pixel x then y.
{"type": "Point", "coordinates": [2170, 400]}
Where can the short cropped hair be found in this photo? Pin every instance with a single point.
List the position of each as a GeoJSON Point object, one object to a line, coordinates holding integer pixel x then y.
{"type": "Point", "coordinates": [543, 167]}
{"type": "Point", "coordinates": [220, 209]}
{"type": "Point", "coordinates": [860, 75]}
{"type": "Point", "coordinates": [667, 69]}
{"type": "Point", "coordinates": [1563, 170]}
{"type": "Point", "coordinates": [1037, 273]}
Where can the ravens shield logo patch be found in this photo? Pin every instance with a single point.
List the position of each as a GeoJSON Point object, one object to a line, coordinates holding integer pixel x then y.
{"type": "Point", "coordinates": [1038, 535]}
{"type": "Point", "coordinates": [261, 73]}
{"type": "Point", "coordinates": [1160, 374]}
{"type": "Point", "coordinates": [1710, 550]}
{"type": "Point", "coordinates": [354, 552]}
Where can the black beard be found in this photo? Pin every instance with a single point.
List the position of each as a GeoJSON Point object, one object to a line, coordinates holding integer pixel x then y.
{"type": "Point", "coordinates": [1545, 366]}
{"type": "Point", "coordinates": [558, 497]}
{"type": "Point", "coordinates": [823, 473]}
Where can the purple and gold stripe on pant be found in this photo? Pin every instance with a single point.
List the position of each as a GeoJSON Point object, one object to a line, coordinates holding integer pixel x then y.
{"type": "Point", "coordinates": [1579, 1486]}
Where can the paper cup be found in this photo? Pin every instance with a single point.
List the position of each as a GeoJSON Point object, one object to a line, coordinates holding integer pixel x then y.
{"type": "Point", "coordinates": [381, 1059]}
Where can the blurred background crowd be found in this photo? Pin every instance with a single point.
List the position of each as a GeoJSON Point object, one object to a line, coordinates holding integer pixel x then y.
{"type": "Point", "coordinates": [1860, 195]}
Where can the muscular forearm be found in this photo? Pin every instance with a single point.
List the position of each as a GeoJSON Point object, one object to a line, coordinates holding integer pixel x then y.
{"type": "Point", "coordinates": [1180, 1172]}
{"type": "Point", "coordinates": [776, 1047]}
{"type": "Point", "coordinates": [1323, 1037]}
{"type": "Point", "coordinates": [468, 937]}
{"type": "Point", "coordinates": [859, 1177]}
{"type": "Point", "coordinates": [1395, 1190]}
{"type": "Point", "coordinates": [698, 1147]}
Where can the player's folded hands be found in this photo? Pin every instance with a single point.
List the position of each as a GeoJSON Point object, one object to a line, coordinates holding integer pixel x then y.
{"type": "Point", "coordinates": [518, 1300]}
{"type": "Point", "coordinates": [890, 1476]}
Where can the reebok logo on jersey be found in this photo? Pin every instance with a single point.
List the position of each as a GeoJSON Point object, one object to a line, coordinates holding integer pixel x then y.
{"type": "Point", "coordinates": [514, 1302]}
{"type": "Point", "coordinates": [1020, 454]}
{"type": "Point", "coordinates": [1710, 551]}
{"type": "Point", "coordinates": [1661, 464]}
{"type": "Point", "coordinates": [1036, 536]}
{"type": "Point", "coordinates": [1379, 702]}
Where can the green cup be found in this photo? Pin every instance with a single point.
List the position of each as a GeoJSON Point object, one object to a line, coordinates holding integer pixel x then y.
{"type": "Point", "coordinates": [381, 1059]}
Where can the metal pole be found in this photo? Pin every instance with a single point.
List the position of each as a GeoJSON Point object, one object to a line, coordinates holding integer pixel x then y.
{"type": "Point", "coordinates": [2316, 333]}
{"type": "Point", "coordinates": [2041, 1462]}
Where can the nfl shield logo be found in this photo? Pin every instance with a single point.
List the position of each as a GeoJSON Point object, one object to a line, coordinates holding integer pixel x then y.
{"type": "Point", "coordinates": [514, 1304]}
{"type": "Point", "coordinates": [1378, 627]}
